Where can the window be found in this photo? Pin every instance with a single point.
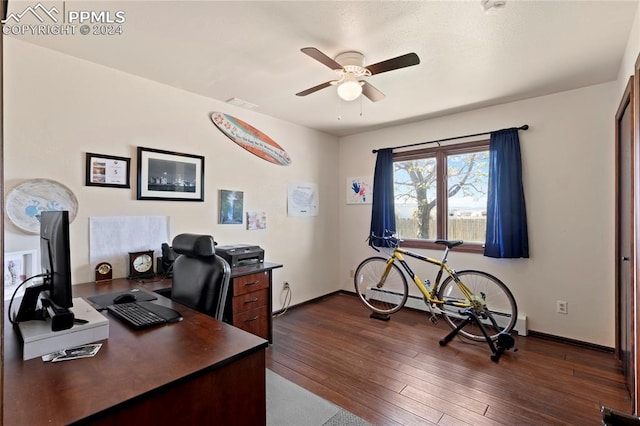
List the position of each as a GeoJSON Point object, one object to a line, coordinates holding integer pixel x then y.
{"type": "Point", "coordinates": [441, 193]}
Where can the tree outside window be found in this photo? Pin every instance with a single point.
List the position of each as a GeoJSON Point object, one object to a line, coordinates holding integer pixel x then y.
{"type": "Point", "coordinates": [441, 193]}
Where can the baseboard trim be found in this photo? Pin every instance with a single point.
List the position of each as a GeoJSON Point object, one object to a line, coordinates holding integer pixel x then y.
{"type": "Point", "coordinates": [314, 300]}
{"type": "Point", "coordinates": [568, 341]}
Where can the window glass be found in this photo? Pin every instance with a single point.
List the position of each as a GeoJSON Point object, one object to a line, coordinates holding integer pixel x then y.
{"type": "Point", "coordinates": [467, 183]}
{"type": "Point", "coordinates": [415, 193]}
{"type": "Point", "coordinates": [441, 193]}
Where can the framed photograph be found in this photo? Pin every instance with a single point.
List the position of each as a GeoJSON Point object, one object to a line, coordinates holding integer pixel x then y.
{"type": "Point", "coordinates": [107, 170]}
{"type": "Point", "coordinates": [172, 176]}
{"type": "Point", "coordinates": [231, 206]}
{"type": "Point", "coordinates": [18, 266]}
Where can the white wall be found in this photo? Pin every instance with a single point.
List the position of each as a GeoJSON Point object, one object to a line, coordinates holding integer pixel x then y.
{"type": "Point", "coordinates": [568, 161]}
{"type": "Point", "coordinates": [630, 55]}
{"type": "Point", "coordinates": [57, 108]}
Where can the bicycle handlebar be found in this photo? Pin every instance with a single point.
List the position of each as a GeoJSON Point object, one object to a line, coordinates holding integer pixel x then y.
{"type": "Point", "coordinates": [389, 238]}
{"type": "Point", "coordinates": [392, 241]}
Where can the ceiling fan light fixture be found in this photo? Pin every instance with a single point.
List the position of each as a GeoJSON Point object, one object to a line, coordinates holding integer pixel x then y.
{"type": "Point", "coordinates": [351, 72]}
{"type": "Point", "coordinates": [349, 90]}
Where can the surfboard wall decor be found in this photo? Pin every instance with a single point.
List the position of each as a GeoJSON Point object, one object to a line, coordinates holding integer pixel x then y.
{"type": "Point", "coordinates": [251, 139]}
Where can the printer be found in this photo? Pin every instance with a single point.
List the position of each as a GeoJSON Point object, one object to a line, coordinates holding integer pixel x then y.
{"type": "Point", "coordinates": [241, 254]}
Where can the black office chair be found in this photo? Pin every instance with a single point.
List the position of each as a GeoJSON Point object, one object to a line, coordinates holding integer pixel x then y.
{"type": "Point", "coordinates": [168, 257]}
{"type": "Point", "coordinates": [611, 417]}
{"type": "Point", "coordinates": [200, 278]}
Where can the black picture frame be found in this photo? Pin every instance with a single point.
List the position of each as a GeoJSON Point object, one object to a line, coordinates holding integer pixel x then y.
{"type": "Point", "coordinates": [107, 170]}
{"type": "Point", "coordinates": [169, 176]}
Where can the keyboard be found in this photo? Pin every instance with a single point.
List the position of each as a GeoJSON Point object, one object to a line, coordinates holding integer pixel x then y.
{"type": "Point", "coordinates": [139, 315]}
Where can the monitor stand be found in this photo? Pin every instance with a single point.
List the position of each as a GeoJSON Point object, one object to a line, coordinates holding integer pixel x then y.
{"type": "Point", "coordinates": [61, 318]}
{"type": "Point", "coordinates": [29, 306]}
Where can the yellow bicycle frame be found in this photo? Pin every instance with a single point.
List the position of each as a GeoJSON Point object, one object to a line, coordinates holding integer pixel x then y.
{"type": "Point", "coordinates": [428, 292]}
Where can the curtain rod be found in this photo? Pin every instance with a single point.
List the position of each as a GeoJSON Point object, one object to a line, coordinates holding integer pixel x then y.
{"type": "Point", "coordinates": [523, 127]}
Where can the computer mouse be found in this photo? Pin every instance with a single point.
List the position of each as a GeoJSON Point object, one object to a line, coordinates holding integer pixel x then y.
{"type": "Point", "coordinates": [124, 298]}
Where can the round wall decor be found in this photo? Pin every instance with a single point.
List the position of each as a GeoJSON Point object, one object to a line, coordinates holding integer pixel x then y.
{"type": "Point", "coordinates": [25, 202]}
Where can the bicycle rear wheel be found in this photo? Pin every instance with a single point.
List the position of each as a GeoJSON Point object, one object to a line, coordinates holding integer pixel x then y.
{"type": "Point", "coordinates": [494, 305]}
{"type": "Point", "coordinates": [383, 295]}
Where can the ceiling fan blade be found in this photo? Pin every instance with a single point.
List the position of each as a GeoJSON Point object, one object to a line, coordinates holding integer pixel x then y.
{"type": "Point", "coordinates": [403, 61]}
{"type": "Point", "coordinates": [315, 88]}
{"type": "Point", "coordinates": [321, 57]}
{"type": "Point", "coordinates": [371, 92]}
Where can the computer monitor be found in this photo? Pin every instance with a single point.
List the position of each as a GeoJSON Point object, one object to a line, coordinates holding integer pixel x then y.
{"type": "Point", "coordinates": [55, 256]}
{"type": "Point", "coordinates": [55, 261]}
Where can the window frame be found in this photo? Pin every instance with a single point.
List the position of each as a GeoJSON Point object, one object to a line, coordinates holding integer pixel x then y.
{"type": "Point", "coordinates": [440, 153]}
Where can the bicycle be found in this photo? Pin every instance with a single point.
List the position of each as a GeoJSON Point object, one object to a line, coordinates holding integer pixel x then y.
{"type": "Point", "coordinates": [473, 303]}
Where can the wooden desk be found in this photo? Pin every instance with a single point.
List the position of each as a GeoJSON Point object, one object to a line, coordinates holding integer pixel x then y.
{"type": "Point", "coordinates": [196, 371]}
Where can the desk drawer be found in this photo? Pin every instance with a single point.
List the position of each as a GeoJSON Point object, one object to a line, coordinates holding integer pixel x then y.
{"type": "Point", "coordinates": [247, 283]}
{"type": "Point", "coordinates": [254, 321]}
{"type": "Point", "coordinates": [248, 301]}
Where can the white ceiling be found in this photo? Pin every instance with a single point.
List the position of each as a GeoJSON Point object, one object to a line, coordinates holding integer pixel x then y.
{"type": "Point", "coordinates": [251, 51]}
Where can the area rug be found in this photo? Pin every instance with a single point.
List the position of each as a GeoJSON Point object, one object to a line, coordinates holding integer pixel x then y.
{"type": "Point", "coordinates": [291, 405]}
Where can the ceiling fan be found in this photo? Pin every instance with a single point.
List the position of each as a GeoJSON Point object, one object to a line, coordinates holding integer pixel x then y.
{"type": "Point", "coordinates": [351, 71]}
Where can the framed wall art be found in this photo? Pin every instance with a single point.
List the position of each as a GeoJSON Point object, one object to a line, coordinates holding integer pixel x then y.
{"type": "Point", "coordinates": [18, 266]}
{"type": "Point", "coordinates": [231, 206]}
{"type": "Point", "coordinates": [107, 170]}
{"type": "Point", "coordinates": [256, 220]}
{"type": "Point", "coordinates": [172, 176]}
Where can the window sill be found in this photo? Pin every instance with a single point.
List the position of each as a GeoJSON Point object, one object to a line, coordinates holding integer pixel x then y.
{"type": "Point", "coordinates": [431, 245]}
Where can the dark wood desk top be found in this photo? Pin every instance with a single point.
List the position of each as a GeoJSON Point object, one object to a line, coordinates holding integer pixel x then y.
{"type": "Point", "coordinates": [159, 282]}
{"type": "Point", "coordinates": [130, 363]}
{"type": "Point", "coordinates": [251, 269]}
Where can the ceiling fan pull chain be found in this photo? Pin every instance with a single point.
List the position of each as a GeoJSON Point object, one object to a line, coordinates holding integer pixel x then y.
{"type": "Point", "coordinates": [339, 107]}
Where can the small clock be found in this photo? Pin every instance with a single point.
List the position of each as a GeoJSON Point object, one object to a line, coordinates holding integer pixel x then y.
{"type": "Point", "coordinates": [141, 264]}
{"type": "Point", "coordinates": [104, 271]}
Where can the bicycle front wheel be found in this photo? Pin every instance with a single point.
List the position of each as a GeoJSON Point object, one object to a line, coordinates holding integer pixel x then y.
{"type": "Point", "coordinates": [492, 302]}
{"type": "Point", "coordinates": [383, 288]}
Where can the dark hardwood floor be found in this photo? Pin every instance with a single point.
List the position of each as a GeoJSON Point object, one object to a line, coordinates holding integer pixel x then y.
{"type": "Point", "coordinates": [395, 372]}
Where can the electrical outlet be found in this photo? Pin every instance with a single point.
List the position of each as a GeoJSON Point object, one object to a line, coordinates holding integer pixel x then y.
{"type": "Point", "coordinates": [561, 307]}
{"type": "Point", "coordinates": [285, 285]}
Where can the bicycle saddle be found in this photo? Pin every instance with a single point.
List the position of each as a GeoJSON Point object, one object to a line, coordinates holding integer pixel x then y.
{"type": "Point", "coordinates": [449, 244]}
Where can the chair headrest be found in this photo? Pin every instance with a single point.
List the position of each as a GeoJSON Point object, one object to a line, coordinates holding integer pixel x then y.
{"type": "Point", "coordinates": [194, 245]}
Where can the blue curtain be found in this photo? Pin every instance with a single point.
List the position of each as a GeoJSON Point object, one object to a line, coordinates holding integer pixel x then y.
{"type": "Point", "coordinates": [383, 216]}
{"type": "Point", "coordinates": [506, 215]}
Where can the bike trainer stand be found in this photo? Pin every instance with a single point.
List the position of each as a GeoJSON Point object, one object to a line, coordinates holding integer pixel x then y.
{"type": "Point", "coordinates": [382, 317]}
{"type": "Point", "coordinates": [505, 341]}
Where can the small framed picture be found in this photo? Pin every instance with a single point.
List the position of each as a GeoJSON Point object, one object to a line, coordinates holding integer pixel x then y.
{"type": "Point", "coordinates": [18, 266]}
{"type": "Point", "coordinates": [256, 220]}
{"type": "Point", "coordinates": [107, 170]}
{"type": "Point", "coordinates": [231, 206]}
{"type": "Point", "coordinates": [172, 176]}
